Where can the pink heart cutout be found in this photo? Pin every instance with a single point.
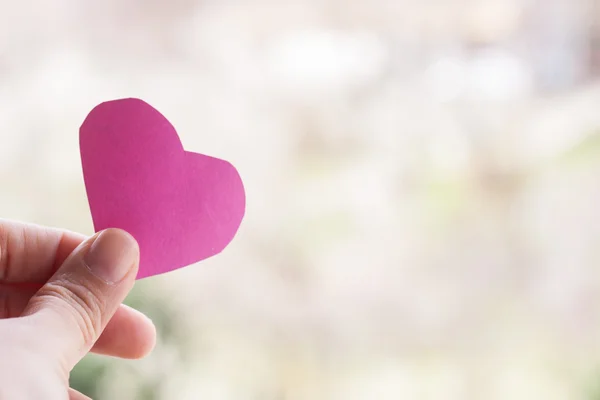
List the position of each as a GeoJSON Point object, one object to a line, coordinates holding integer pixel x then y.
{"type": "Point", "coordinates": [181, 207]}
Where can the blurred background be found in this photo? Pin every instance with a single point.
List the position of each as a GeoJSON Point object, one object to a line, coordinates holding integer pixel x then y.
{"type": "Point", "coordinates": [423, 187]}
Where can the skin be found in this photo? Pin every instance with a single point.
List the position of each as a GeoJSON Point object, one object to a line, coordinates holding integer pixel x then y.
{"type": "Point", "coordinates": [56, 306]}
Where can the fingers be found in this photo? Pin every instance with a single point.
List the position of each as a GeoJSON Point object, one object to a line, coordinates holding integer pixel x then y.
{"type": "Point", "coordinates": [129, 334]}
{"type": "Point", "coordinates": [76, 304]}
{"type": "Point", "coordinates": [30, 254]}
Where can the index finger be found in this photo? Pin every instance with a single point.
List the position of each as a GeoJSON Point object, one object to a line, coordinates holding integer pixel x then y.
{"type": "Point", "coordinates": [30, 254]}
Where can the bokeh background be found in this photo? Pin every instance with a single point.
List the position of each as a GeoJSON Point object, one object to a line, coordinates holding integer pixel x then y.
{"type": "Point", "coordinates": [423, 187]}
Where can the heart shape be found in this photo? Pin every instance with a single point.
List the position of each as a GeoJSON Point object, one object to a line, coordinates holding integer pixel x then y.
{"type": "Point", "coordinates": [181, 207]}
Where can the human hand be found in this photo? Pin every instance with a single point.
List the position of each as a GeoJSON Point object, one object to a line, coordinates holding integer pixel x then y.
{"type": "Point", "coordinates": [60, 298]}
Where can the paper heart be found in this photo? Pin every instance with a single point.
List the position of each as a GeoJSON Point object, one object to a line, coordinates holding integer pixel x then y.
{"type": "Point", "coordinates": [182, 207]}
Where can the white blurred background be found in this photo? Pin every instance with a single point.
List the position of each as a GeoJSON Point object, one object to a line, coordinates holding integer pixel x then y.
{"type": "Point", "coordinates": [422, 176]}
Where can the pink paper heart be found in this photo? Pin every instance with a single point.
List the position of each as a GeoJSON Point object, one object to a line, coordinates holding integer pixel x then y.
{"type": "Point", "coordinates": [182, 207]}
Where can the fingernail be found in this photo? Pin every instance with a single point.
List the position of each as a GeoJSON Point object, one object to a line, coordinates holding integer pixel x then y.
{"type": "Point", "coordinates": [112, 255]}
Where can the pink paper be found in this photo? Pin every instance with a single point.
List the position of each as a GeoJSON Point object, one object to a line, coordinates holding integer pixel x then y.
{"type": "Point", "coordinates": [182, 207]}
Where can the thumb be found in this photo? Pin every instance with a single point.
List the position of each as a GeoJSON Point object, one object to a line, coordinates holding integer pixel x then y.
{"type": "Point", "coordinates": [72, 309]}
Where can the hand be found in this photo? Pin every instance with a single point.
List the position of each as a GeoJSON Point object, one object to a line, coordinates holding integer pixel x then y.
{"type": "Point", "coordinates": [60, 297]}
